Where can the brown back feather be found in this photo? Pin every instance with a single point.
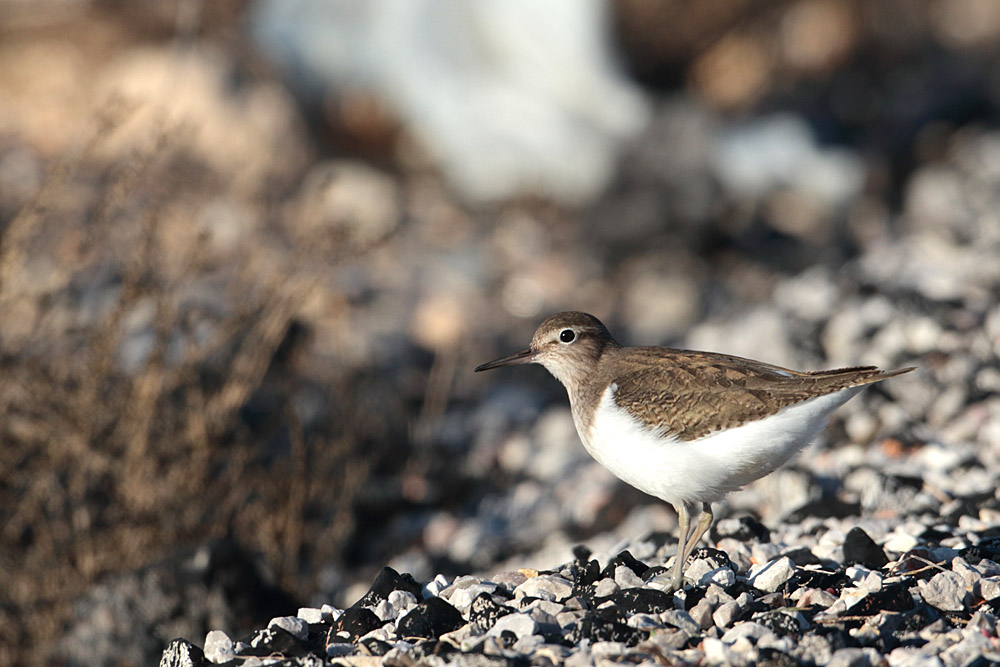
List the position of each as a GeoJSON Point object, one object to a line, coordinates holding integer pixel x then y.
{"type": "Point", "coordinates": [690, 394]}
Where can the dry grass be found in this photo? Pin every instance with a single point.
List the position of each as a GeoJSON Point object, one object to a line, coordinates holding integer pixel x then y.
{"type": "Point", "coordinates": [108, 461]}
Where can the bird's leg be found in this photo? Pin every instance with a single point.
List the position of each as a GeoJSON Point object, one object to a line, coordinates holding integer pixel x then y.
{"type": "Point", "coordinates": [687, 542]}
{"type": "Point", "coordinates": [704, 521]}
{"type": "Point", "coordinates": [684, 526]}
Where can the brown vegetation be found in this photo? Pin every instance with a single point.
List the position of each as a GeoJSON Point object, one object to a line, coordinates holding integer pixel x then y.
{"type": "Point", "coordinates": [125, 371]}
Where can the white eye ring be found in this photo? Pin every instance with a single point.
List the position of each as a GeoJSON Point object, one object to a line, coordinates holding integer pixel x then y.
{"type": "Point", "coordinates": [567, 336]}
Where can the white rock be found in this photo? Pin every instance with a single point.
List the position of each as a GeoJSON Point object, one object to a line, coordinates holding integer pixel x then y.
{"type": "Point", "coordinates": [681, 620]}
{"type": "Point", "coordinates": [697, 569]}
{"type": "Point", "coordinates": [385, 610]}
{"type": "Point", "coordinates": [606, 587]}
{"type": "Point", "coordinates": [552, 101]}
{"type": "Point", "coordinates": [739, 553]}
{"type": "Point", "coordinates": [545, 586]}
{"type": "Point", "coordinates": [333, 612]}
{"type": "Point", "coordinates": [293, 625]}
{"type": "Point", "coordinates": [607, 650]}
{"type": "Point", "coordinates": [719, 653]}
{"type": "Point", "coordinates": [983, 622]}
{"type": "Point", "coordinates": [945, 591]}
{"type": "Point", "coordinates": [403, 601]}
{"type": "Point", "coordinates": [816, 596]}
{"type": "Point", "coordinates": [721, 576]}
{"type": "Point", "coordinates": [726, 613]}
{"type": "Point", "coordinates": [849, 596]}
{"type": "Point", "coordinates": [969, 574]}
{"type": "Point", "coordinates": [522, 625]}
{"type": "Point", "coordinates": [770, 577]}
{"type": "Point", "coordinates": [311, 614]}
{"type": "Point", "coordinates": [749, 630]}
{"type": "Point", "coordinates": [702, 613]}
{"type": "Point", "coordinates": [218, 647]}
{"type": "Point", "coordinates": [434, 587]}
{"type": "Point", "coordinates": [765, 552]}
{"type": "Point", "coordinates": [463, 597]}
{"type": "Point", "coordinates": [626, 578]}
{"type": "Point", "coordinates": [905, 656]}
{"type": "Point", "coordinates": [564, 618]}
{"type": "Point", "coordinates": [460, 583]}
{"type": "Point", "coordinates": [900, 542]}
{"type": "Point", "coordinates": [989, 588]}
{"type": "Point", "coordinates": [872, 583]}
{"type": "Point", "coordinates": [854, 657]}
{"type": "Point", "coordinates": [527, 644]}
{"type": "Point", "coordinates": [972, 646]}
{"type": "Point", "coordinates": [644, 621]}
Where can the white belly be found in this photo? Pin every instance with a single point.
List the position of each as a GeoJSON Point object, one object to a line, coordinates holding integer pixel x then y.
{"type": "Point", "coordinates": [703, 470]}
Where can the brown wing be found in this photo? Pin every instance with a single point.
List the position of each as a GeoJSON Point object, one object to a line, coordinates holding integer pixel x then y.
{"type": "Point", "coordinates": [690, 394]}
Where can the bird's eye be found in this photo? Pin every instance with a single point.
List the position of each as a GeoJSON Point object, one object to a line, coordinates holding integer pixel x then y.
{"type": "Point", "coordinates": [567, 335]}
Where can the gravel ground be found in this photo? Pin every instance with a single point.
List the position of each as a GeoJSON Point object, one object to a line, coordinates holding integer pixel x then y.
{"type": "Point", "coordinates": [240, 308]}
{"type": "Point", "coordinates": [879, 546]}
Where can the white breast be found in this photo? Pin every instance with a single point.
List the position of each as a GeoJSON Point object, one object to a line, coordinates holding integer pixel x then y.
{"type": "Point", "coordinates": [706, 469]}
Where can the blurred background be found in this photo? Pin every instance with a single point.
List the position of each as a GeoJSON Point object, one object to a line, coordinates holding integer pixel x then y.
{"type": "Point", "coordinates": [250, 252]}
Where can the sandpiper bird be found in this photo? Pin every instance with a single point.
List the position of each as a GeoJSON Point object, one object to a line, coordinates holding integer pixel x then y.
{"type": "Point", "coordinates": [687, 427]}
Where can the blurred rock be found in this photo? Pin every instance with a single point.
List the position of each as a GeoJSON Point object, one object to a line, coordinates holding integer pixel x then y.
{"type": "Point", "coordinates": [508, 98]}
{"type": "Point", "coordinates": [343, 202]}
{"type": "Point", "coordinates": [133, 615]}
{"type": "Point", "coordinates": [818, 35]}
{"type": "Point", "coordinates": [780, 152]}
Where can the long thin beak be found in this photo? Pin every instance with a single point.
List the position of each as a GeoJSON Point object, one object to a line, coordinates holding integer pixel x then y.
{"type": "Point", "coordinates": [525, 356]}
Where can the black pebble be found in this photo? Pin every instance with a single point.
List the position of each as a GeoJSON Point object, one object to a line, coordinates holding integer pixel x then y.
{"type": "Point", "coordinates": [912, 621]}
{"type": "Point", "coordinates": [432, 647]}
{"type": "Point", "coordinates": [988, 549]}
{"type": "Point", "coordinates": [276, 641]}
{"type": "Point", "coordinates": [387, 581]}
{"type": "Point", "coordinates": [824, 508]}
{"type": "Point", "coordinates": [628, 560]}
{"type": "Point", "coordinates": [779, 622]}
{"type": "Point", "coordinates": [818, 579]}
{"type": "Point", "coordinates": [432, 618]}
{"type": "Point", "coordinates": [803, 556]}
{"type": "Point", "coordinates": [693, 596]}
{"type": "Point", "coordinates": [893, 597]}
{"type": "Point", "coordinates": [716, 557]}
{"type": "Point", "coordinates": [631, 601]}
{"type": "Point", "coordinates": [605, 627]}
{"type": "Point", "coordinates": [357, 621]}
{"type": "Point", "coordinates": [934, 535]}
{"type": "Point", "coordinates": [182, 653]}
{"type": "Point", "coordinates": [981, 661]}
{"type": "Point", "coordinates": [661, 538]}
{"type": "Point", "coordinates": [749, 529]}
{"type": "Point", "coordinates": [376, 646]}
{"type": "Point", "coordinates": [586, 593]}
{"type": "Point", "coordinates": [581, 553]}
{"type": "Point", "coordinates": [586, 573]}
{"type": "Point", "coordinates": [860, 548]}
{"type": "Point", "coordinates": [484, 612]}
{"type": "Point", "coordinates": [772, 657]}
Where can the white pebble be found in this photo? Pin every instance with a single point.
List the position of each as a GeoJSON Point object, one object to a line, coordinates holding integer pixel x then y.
{"type": "Point", "coordinates": [310, 614]}
{"type": "Point", "coordinates": [293, 625]}
{"type": "Point", "coordinates": [218, 647]}
{"type": "Point", "coordinates": [771, 576]}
